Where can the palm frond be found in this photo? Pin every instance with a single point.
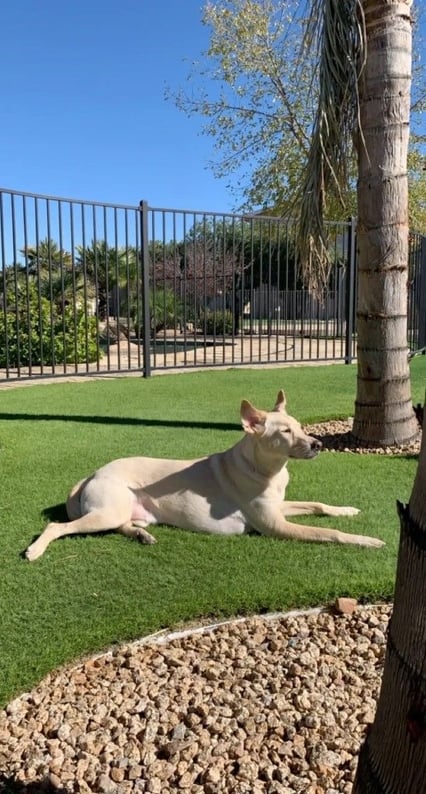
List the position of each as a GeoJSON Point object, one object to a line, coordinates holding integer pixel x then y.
{"type": "Point", "coordinates": [336, 28]}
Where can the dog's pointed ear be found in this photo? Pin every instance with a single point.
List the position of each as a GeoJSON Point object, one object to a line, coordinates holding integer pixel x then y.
{"type": "Point", "coordinates": [281, 402]}
{"type": "Point", "coordinates": [252, 419]}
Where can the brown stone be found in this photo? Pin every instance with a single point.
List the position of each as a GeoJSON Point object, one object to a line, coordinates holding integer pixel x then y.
{"type": "Point", "coordinates": [345, 606]}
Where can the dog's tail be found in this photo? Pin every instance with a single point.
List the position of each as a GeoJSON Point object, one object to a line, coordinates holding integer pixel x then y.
{"type": "Point", "coordinates": [73, 501]}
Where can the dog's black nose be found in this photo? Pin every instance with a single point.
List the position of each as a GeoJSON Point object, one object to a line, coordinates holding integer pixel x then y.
{"type": "Point", "coordinates": [316, 444]}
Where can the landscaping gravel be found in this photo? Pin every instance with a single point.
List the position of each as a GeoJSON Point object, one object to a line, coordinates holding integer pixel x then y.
{"type": "Point", "coordinates": [336, 437]}
{"type": "Point", "coordinates": [275, 704]}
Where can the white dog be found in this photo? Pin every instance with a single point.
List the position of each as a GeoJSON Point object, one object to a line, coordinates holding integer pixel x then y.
{"type": "Point", "coordinates": [228, 493]}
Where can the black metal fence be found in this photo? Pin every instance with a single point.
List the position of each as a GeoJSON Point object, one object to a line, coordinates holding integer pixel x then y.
{"type": "Point", "coordinates": [99, 288]}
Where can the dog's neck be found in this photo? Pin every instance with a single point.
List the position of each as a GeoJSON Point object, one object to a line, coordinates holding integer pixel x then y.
{"type": "Point", "coordinates": [263, 460]}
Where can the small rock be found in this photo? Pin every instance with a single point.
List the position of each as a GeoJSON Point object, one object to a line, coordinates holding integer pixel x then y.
{"type": "Point", "coordinates": [345, 606]}
{"type": "Point", "coordinates": [117, 774]}
{"type": "Point", "coordinates": [106, 785]}
{"type": "Point", "coordinates": [179, 731]}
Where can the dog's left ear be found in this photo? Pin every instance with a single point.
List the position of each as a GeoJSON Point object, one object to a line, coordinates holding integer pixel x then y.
{"type": "Point", "coordinates": [252, 419]}
{"type": "Point", "coordinates": [281, 402]}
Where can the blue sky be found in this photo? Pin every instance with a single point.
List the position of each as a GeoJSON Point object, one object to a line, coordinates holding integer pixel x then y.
{"type": "Point", "coordinates": [83, 112]}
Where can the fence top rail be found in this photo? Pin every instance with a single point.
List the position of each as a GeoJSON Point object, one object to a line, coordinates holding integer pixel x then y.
{"type": "Point", "coordinates": [243, 216]}
{"type": "Point", "coordinates": [45, 197]}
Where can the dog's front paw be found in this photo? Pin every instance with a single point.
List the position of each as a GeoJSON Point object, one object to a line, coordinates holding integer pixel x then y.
{"type": "Point", "coordinates": [372, 543]}
{"type": "Point", "coordinates": [348, 511]}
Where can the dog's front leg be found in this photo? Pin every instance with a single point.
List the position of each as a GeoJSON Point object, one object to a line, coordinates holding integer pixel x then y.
{"type": "Point", "coordinates": [315, 509]}
{"type": "Point", "coordinates": [275, 525]}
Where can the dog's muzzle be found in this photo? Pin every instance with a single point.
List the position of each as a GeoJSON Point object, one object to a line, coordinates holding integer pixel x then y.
{"type": "Point", "coordinates": [308, 448]}
{"type": "Point", "coordinates": [316, 447]}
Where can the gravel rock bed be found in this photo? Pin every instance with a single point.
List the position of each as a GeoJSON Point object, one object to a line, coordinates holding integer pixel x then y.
{"type": "Point", "coordinates": [277, 704]}
{"type": "Point", "coordinates": [336, 436]}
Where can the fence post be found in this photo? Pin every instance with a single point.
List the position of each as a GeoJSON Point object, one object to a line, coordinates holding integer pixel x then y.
{"type": "Point", "coordinates": [350, 290]}
{"type": "Point", "coordinates": [146, 353]}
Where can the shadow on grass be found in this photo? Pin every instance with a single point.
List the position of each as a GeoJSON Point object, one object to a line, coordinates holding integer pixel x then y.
{"type": "Point", "coordinates": [55, 513]}
{"type": "Point", "coordinates": [9, 785]}
{"type": "Point", "coordinates": [119, 420]}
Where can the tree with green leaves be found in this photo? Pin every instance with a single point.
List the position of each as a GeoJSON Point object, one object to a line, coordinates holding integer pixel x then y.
{"type": "Point", "coordinates": [66, 288]}
{"type": "Point", "coordinates": [256, 91]}
{"type": "Point", "coordinates": [108, 268]}
{"type": "Point", "coordinates": [45, 256]}
{"type": "Point", "coordinates": [249, 101]}
{"type": "Point", "coordinates": [52, 269]}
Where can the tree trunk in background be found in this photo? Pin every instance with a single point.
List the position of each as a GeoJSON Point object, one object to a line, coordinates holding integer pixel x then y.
{"type": "Point", "coordinates": [393, 757]}
{"type": "Point", "coordinates": [383, 410]}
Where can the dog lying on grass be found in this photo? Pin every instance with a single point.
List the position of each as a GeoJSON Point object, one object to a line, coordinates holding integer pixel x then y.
{"type": "Point", "coordinates": [227, 493]}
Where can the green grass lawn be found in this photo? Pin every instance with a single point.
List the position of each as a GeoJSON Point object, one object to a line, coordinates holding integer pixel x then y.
{"type": "Point", "coordinates": [87, 593]}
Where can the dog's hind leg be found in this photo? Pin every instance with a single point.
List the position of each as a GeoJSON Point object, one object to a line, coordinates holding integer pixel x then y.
{"type": "Point", "coordinates": [136, 530]}
{"type": "Point", "coordinates": [141, 517]}
{"type": "Point", "coordinates": [106, 504]}
{"type": "Point", "coordinates": [95, 521]}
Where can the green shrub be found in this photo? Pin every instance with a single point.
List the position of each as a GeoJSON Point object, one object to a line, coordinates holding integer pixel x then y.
{"type": "Point", "coordinates": [220, 322]}
{"type": "Point", "coordinates": [165, 309]}
{"type": "Point", "coordinates": [34, 332]}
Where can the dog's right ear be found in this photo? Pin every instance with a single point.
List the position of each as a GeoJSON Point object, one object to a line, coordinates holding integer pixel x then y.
{"type": "Point", "coordinates": [280, 402]}
{"type": "Point", "coordinates": [252, 419]}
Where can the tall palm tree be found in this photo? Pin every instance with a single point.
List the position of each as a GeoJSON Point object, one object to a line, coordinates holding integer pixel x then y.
{"type": "Point", "coordinates": [66, 288]}
{"type": "Point", "coordinates": [45, 256]}
{"type": "Point", "coordinates": [365, 81]}
{"type": "Point", "coordinates": [366, 61]}
{"type": "Point", "coordinates": [53, 270]}
{"type": "Point", "coordinates": [107, 268]}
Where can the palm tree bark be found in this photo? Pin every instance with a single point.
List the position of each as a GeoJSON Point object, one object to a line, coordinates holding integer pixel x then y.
{"type": "Point", "coordinates": [383, 409]}
{"type": "Point", "coordinates": [393, 757]}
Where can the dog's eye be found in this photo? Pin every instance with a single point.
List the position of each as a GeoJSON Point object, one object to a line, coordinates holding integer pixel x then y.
{"type": "Point", "coordinates": [286, 430]}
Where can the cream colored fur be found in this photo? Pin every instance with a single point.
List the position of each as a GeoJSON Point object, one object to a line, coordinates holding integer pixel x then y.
{"type": "Point", "coordinates": [228, 493]}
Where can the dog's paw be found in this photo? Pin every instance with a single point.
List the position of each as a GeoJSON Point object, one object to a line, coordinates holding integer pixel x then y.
{"type": "Point", "coordinates": [372, 543]}
{"type": "Point", "coordinates": [348, 511]}
{"type": "Point", "coordinates": [32, 552]}
{"type": "Point", "coordinates": [144, 537]}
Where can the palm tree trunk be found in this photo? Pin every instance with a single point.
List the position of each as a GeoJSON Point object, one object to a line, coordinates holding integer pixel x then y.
{"type": "Point", "coordinates": [383, 410]}
{"type": "Point", "coordinates": [393, 757]}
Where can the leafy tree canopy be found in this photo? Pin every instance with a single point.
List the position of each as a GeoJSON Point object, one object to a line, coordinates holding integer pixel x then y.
{"type": "Point", "coordinates": [256, 88]}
